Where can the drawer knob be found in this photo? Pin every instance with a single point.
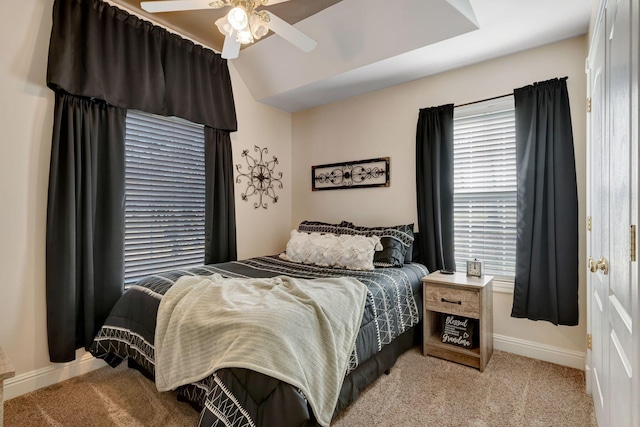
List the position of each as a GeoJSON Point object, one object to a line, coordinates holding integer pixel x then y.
{"type": "Point", "coordinates": [450, 302]}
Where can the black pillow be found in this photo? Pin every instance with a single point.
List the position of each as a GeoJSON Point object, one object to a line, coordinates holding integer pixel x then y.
{"type": "Point", "coordinates": [403, 235]}
{"type": "Point", "coordinates": [391, 255]}
{"type": "Point", "coordinates": [399, 240]}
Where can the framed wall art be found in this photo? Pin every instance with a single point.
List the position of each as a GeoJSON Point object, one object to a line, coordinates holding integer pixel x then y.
{"type": "Point", "coordinates": [357, 174]}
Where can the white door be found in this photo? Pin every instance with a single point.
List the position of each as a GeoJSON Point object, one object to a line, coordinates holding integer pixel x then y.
{"type": "Point", "coordinates": [621, 185]}
{"type": "Point", "coordinates": [612, 189]}
{"type": "Point", "coordinates": [598, 237]}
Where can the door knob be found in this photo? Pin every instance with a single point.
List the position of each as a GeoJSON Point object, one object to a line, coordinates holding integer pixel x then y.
{"type": "Point", "coordinates": [601, 264]}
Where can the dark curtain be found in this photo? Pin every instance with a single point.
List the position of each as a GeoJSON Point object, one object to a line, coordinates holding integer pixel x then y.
{"type": "Point", "coordinates": [85, 222]}
{"type": "Point", "coordinates": [103, 61]}
{"type": "Point", "coordinates": [220, 213]}
{"type": "Point", "coordinates": [546, 282]}
{"type": "Point", "coordinates": [434, 184]}
{"type": "Point", "coordinates": [100, 51]}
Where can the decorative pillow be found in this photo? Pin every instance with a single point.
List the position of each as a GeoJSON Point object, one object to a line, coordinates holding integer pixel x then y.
{"type": "Point", "coordinates": [396, 240]}
{"type": "Point", "coordinates": [325, 227]}
{"type": "Point", "coordinates": [331, 250]}
{"type": "Point", "coordinates": [408, 229]}
{"type": "Point", "coordinates": [391, 255]}
{"type": "Point", "coordinates": [397, 247]}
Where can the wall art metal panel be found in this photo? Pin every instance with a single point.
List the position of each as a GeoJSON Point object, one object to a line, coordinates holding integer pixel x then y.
{"type": "Point", "coordinates": [262, 179]}
{"type": "Point", "coordinates": [357, 174]}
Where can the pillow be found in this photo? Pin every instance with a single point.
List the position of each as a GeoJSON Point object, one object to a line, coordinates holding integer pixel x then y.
{"type": "Point", "coordinates": [397, 249]}
{"type": "Point", "coordinates": [353, 252]}
{"type": "Point", "coordinates": [408, 229]}
{"type": "Point", "coordinates": [325, 227]}
{"type": "Point", "coordinates": [391, 255]}
{"type": "Point", "coordinates": [397, 242]}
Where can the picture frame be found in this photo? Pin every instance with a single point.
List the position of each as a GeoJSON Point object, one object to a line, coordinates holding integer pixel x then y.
{"type": "Point", "coordinates": [353, 174]}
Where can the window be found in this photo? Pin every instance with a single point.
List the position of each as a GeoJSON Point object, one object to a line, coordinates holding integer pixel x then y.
{"type": "Point", "coordinates": [165, 194]}
{"type": "Point", "coordinates": [484, 158]}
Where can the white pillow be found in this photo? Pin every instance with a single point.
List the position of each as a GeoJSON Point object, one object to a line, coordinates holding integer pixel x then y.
{"type": "Point", "coordinates": [353, 252]}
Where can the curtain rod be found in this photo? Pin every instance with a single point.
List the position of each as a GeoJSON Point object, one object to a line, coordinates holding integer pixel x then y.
{"type": "Point", "coordinates": [501, 96]}
{"type": "Point", "coordinates": [127, 8]}
{"type": "Point", "coordinates": [483, 100]}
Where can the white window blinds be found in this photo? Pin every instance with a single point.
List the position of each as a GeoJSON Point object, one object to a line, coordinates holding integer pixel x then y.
{"type": "Point", "coordinates": [165, 194]}
{"type": "Point", "coordinates": [485, 186]}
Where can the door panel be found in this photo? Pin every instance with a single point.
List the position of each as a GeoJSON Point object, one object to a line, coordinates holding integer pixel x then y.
{"type": "Point", "coordinates": [620, 375]}
{"type": "Point", "coordinates": [619, 73]}
{"type": "Point", "coordinates": [619, 370]}
{"type": "Point", "coordinates": [598, 206]}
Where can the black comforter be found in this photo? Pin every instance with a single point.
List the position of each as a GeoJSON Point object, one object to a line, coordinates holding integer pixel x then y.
{"type": "Point", "coordinates": [238, 397]}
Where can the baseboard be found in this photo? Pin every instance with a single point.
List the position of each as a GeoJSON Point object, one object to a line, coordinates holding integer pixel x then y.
{"type": "Point", "coordinates": [44, 377]}
{"type": "Point", "coordinates": [557, 355]}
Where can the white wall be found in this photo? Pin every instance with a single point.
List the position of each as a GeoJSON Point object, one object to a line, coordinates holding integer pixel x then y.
{"type": "Point", "coordinates": [26, 117]}
{"type": "Point", "coordinates": [383, 123]}
{"type": "Point", "coordinates": [261, 231]}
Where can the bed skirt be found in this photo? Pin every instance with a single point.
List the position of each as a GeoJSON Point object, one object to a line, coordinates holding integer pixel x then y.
{"type": "Point", "coordinates": [299, 413]}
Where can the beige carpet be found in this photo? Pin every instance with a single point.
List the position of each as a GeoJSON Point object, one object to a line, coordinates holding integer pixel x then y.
{"type": "Point", "coordinates": [420, 391]}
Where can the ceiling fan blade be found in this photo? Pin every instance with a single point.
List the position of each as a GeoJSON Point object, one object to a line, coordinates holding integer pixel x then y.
{"type": "Point", "coordinates": [231, 47]}
{"type": "Point", "coordinates": [291, 33]}
{"type": "Point", "coordinates": [272, 2]}
{"type": "Point", "coordinates": [174, 5]}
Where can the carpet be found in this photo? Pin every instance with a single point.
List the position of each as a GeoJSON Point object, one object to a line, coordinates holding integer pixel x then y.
{"type": "Point", "coordinates": [420, 391]}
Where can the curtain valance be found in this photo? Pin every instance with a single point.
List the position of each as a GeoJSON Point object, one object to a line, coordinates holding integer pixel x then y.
{"type": "Point", "coordinates": [100, 51]}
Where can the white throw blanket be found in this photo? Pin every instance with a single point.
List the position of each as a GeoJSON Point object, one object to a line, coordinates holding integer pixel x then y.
{"type": "Point", "coordinates": [299, 331]}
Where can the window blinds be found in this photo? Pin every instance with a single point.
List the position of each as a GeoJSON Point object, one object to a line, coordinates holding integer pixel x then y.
{"type": "Point", "coordinates": [165, 194]}
{"type": "Point", "coordinates": [485, 186]}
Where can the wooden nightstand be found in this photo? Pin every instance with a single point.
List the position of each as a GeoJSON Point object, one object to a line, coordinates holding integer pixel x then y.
{"type": "Point", "coordinates": [460, 295]}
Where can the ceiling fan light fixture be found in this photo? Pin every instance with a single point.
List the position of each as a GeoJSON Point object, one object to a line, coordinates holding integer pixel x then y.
{"type": "Point", "coordinates": [259, 27]}
{"type": "Point", "coordinates": [243, 23]}
{"type": "Point", "coordinates": [244, 37]}
{"type": "Point", "coordinates": [238, 18]}
{"type": "Point", "coordinates": [224, 26]}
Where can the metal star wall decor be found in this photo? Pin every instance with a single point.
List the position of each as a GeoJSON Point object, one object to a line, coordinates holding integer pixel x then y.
{"type": "Point", "coordinates": [261, 177]}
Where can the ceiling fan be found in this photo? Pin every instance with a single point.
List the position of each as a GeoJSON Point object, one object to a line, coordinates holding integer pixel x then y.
{"type": "Point", "coordinates": [242, 25]}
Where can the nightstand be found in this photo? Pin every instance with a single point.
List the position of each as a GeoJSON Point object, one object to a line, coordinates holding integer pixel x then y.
{"type": "Point", "coordinates": [459, 295]}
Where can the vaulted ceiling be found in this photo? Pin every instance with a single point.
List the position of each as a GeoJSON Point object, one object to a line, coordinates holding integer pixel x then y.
{"type": "Point", "coordinates": [365, 45]}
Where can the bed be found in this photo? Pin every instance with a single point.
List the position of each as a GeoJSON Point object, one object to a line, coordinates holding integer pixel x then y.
{"type": "Point", "coordinates": [242, 397]}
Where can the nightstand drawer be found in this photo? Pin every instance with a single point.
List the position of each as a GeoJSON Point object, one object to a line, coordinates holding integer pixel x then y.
{"type": "Point", "coordinates": [454, 301]}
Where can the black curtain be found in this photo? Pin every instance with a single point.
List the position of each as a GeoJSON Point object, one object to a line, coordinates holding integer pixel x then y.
{"type": "Point", "coordinates": [546, 282]}
{"type": "Point", "coordinates": [103, 61]}
{"type": "Point", "coordinates": [434, 184]}
{"type": "Point", "coordinates": [85, 222]}
{"type": "Point", "coordinates": [100, 51]}
{"type": "Point", "coordinates": [220, 214]}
